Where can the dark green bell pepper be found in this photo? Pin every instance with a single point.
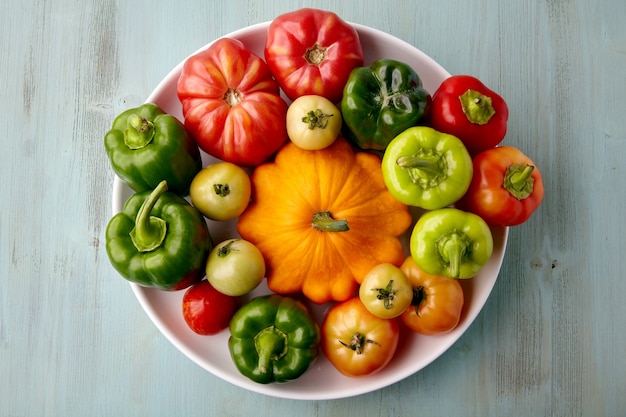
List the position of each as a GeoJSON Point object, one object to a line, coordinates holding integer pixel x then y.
{"type": "Point", "coordinates": [145, 146]}
{"type": "Point", "coordinates": [159, 240]}
{"type": "Point", "coordinates": [381, 101]}
{"type": "Point", "coordinates": [451, 242]}
{"type": "Point", "coordinates": [426, 168]}
{"type": "Point", "coordinates": [273, 339]}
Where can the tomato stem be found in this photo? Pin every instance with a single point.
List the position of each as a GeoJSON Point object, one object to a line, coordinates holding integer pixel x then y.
{"type": "Point", "coordinates": [226, 249]}
{"type": "Point", "coordinates": [232, 97]}
{"type": "Point", "coordinates": [419, 296]}
{"type": "Point", "coordinates": [315, 55]}
{"type": "Point", "coordinates": [387, 294]}
{"type": "Point", "coordinates": [357, 342]}
{"type": "Point", "coordinates": [221, 190]}
{"type": "Point", "coordinates": [149, 231]}
{"type": "Point", "coordinates": [316, 119]}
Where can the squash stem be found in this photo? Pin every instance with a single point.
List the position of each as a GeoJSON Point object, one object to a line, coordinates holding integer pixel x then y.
{"type": "Point", "coordinates": [325, 222]}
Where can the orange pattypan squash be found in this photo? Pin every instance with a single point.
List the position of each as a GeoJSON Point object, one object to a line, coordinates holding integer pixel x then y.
{"type": "Point", "coordinates": [322, 219]}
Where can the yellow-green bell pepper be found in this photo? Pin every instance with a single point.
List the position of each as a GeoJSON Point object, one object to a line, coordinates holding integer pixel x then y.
{"type": "Point", "coordinates": [426, 168]}
{"type": "Point", "coordinates": [451, 242]}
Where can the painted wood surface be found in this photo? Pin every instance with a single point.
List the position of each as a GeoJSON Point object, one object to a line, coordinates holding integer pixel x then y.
{"type": "Point", "coordinates": [74, 341]}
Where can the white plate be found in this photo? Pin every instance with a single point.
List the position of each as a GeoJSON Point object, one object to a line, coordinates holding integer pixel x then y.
{"type": "Point", "coordinates": [322, 381]}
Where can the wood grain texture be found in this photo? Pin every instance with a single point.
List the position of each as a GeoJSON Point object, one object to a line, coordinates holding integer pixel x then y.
{"type": "Point", "coordinates": [550, 341]}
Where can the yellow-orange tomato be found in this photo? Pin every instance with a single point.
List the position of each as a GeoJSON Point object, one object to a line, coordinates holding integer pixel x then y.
{"type": "Point", "coordinates": [437, 301]}
{"type": "Point", "coordinates": [356, 342]}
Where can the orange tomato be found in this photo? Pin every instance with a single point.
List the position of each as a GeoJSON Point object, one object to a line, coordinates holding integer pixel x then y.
{"type": "Point", "coordinates": [437, 301]}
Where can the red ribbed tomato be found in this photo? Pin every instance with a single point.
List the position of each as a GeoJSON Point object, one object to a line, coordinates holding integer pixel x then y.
{"type": "Point", "coordinates": [312, 52]}
{"type": "Point", "coordinates": [231, 103]}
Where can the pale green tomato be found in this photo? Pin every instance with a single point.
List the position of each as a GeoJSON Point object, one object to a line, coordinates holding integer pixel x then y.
{"type": "Point", "coordinates": [235, 267]}
{"type": "Point", "coordinates": [221, 191]}
{"type": "Point", "coordinates": [313, 122]}
{"type": "Point", "coordinates": [386, 291]}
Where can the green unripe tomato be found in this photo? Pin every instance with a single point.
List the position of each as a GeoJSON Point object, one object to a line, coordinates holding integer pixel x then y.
{"type": "Point", "coordinates": [235, 267]}
{"type": "Point", "coordinates": [221, 191]}
{"type": "Point", "coordinates": [386, 291]}
{"type": "Point", "coordinates": [313, 122]}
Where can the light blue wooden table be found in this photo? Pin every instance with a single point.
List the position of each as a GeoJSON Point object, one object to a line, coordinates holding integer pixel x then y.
{"type": "Point", "coordinates": [74, 341]}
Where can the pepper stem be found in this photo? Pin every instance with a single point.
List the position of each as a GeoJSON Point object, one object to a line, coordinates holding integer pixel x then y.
{"type": "Point", "coordinates": [477, 107]}
{"type": "Point", "coordinates": [149, 231]}
{"type": "Point", "coordinates": [453, 248]}
{"type": "Point", "coordinates": [518, 180]}
{"type": "Point", "coordinates": [324, 222]}
{"type": "Point", "coordinates": [271, 345]}
{"type": "Point", "coordinates": [139, 132]}
{"type": "Point", "coordinates": [426, 169]}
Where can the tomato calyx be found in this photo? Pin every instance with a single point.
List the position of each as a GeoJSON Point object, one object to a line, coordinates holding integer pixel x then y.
{"type": "Point", "coordinates": [387, 294]}
{"type": "Point", "coordinates": [225, 250]}
{"type": "Point", "coordinates": [221, 189]}
{"type": "Point", "coordinates": [419, 296]}
{"type": "Point", "coordinates": [478, 108]}
{"type": "Point", "coordinates": [518, 180]}
{"type": "Point", "coordinates": [357, 342]}
{"type": "Point", "coordinates": [316, 119]}
{"type": "Point", "coordinates": [315, 55]}
{"type": "Point", "coordinates": [232, 97]}
{"type": "Point", "coordinates": [325, 222]}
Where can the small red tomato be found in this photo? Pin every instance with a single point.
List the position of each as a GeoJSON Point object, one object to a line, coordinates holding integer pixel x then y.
{"type": "Point", "coordinates": [206, 310]}
{"type": "Point", "coordinates": [312, 52]}
{"type": "Point", "coordinates": [356, 342]}
{"type": "Point", "coordinates": [464, 107]}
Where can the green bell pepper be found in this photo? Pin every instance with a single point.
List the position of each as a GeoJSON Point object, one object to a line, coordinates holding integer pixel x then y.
{"type": "Point", "coordinates": [273, 339]}
{"type": "Point", "coordinates": [426, 168]}
{"type": "Point", "coordinates": [451, 242]}
{"type": "Point", "coordinates": [159, 240]}
{"type": "Point", "coordinates": [145, 145]}
{"type": "Point", "coordinates": [381, 101]}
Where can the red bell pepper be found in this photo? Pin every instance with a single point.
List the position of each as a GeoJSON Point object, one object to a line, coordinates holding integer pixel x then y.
{"type": "Point", "coordinates": [506, 187]}
{"type": "Point", "coordinates": [464, 107]}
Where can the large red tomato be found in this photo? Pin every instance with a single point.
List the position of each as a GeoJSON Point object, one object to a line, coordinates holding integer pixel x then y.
{"type": "Point", "coordinates": [312, 52]}
{"type": "Point", "coordinates": [231, 103]}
